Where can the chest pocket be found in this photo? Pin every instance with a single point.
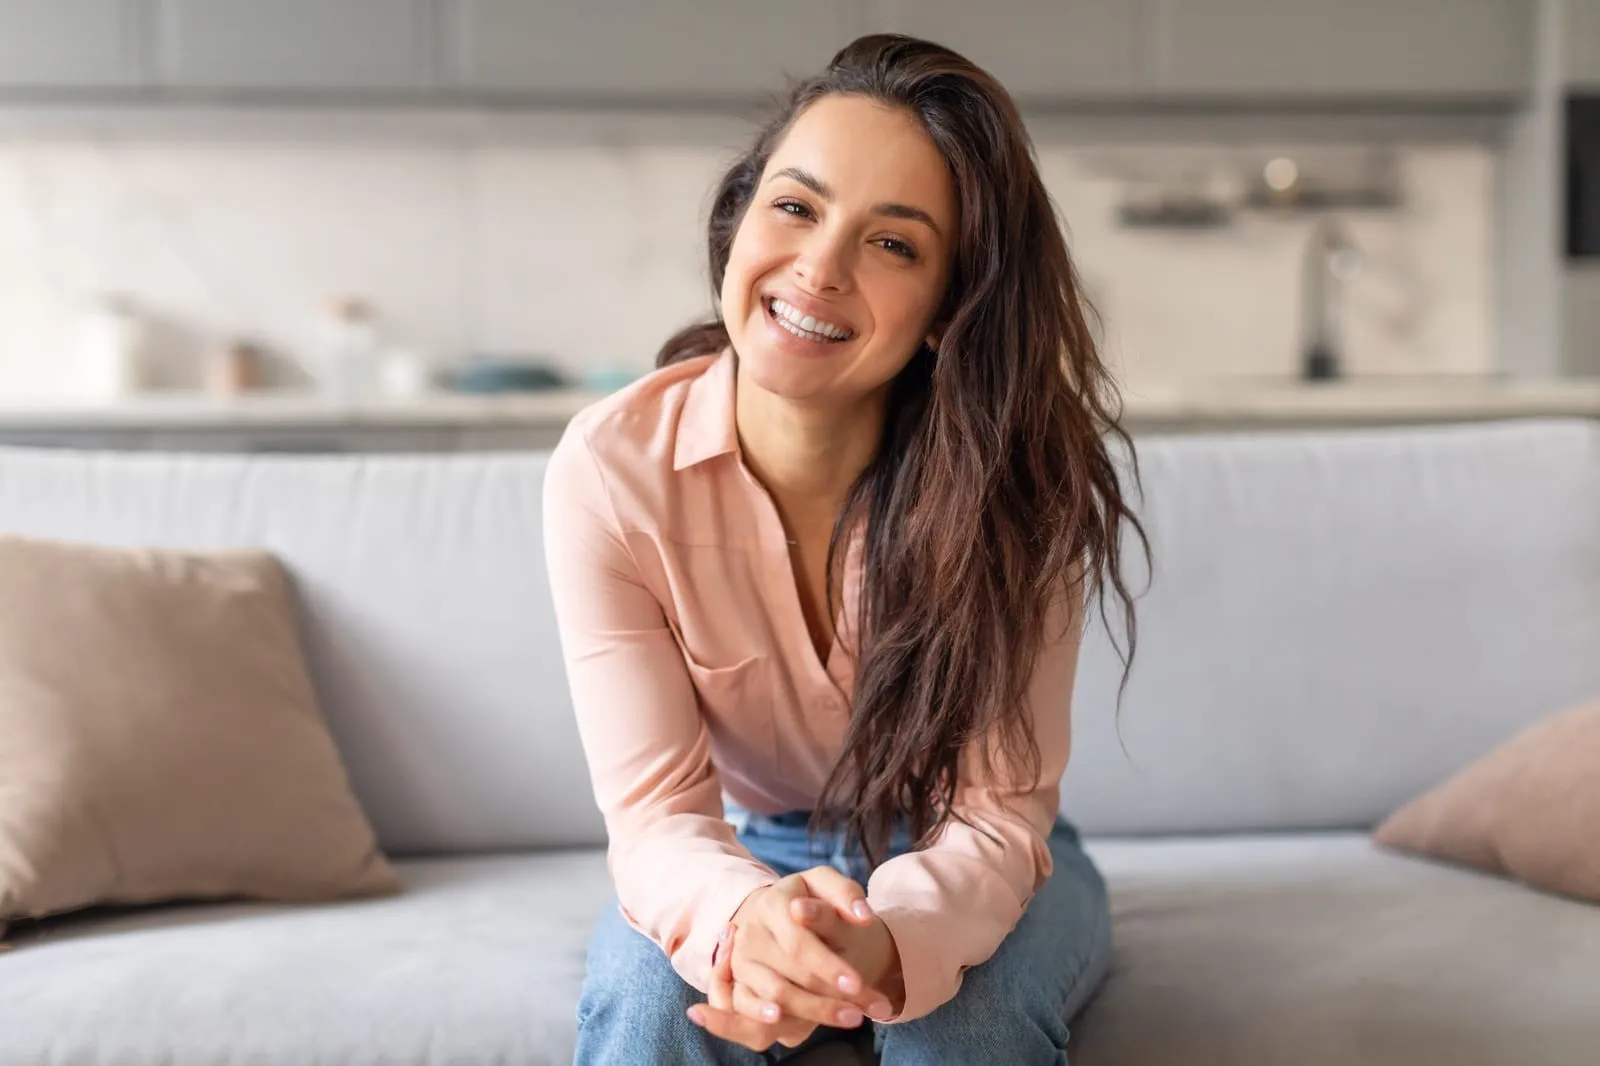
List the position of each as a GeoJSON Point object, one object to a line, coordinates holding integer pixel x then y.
{"type": "Point", "coordinates": [737, 705]}
{"type": "Point", "coordinates": [713, 601]}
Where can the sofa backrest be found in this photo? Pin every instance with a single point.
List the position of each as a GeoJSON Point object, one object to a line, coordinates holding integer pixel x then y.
{"type": "Point", "coordinates": [1338, 619]}
{"type": "Point", "coordinates": [425, 611]}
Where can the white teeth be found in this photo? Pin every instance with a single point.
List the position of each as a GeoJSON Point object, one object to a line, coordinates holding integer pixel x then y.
{"type": "Point", "coordinates": [806, 324]}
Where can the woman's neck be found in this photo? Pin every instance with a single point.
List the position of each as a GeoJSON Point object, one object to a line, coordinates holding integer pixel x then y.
{"type": "Point", "coordinates": [807, 457]}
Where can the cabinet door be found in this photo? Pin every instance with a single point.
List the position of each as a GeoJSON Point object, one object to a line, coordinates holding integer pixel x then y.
{"type": "Point", "coordinates": [294, 45]}
{"type": "Point", "coordinates": [638, 50]}
{"type": "Point", "coordinates": [70, 44]}
{"type": "Point", "coordinates": [1265, 50]}
{"type": "Point", "coordinates": [1583, 44]}
{"type": "Point", "coordinates": [1041, 51]}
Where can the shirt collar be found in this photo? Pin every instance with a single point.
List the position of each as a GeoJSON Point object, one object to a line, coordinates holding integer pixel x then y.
{"type": "Point", "coordinates": [706, 426]}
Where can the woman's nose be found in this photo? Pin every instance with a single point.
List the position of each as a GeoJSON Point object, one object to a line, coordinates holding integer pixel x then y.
{"type": "Point", "coordinates": [824, 263]}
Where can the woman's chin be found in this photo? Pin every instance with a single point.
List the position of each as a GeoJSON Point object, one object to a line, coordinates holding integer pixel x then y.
{"type": "Point", "coordinates": [781, 375]}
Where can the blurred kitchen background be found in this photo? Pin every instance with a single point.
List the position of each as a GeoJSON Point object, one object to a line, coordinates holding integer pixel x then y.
{"type": "Point", "coordinates": [419, 224]}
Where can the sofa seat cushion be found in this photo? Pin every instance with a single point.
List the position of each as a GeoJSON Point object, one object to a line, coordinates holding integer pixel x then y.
{"type": "Point", "coordinates": [1325, 950]}
{"type": "Point", "coordinates": [477, 963]}
{"type": "Point", "coordinates": [1305, 950]}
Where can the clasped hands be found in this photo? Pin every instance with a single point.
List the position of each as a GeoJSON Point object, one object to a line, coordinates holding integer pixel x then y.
{"type": "Point", "coordinates": [804, 952]}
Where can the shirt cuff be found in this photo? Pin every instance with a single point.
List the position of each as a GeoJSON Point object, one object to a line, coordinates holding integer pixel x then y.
{"type": "Point", "coordinates": [692, 960]}
{"type": "Point", "coordinates": [922, 969]}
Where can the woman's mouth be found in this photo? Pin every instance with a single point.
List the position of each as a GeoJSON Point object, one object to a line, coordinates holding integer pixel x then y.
{"type": "Point", "coordinates": [806, 327]}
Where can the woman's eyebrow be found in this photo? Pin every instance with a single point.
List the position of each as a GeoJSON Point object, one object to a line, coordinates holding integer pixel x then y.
{"type": "Point", "coordinates": [822, 189]}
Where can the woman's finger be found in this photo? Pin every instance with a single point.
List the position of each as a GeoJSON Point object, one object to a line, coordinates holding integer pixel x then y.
{"type": "Point", "coordinates": [763, 993]}
{"type": "Point", "coordinates": [733, 1027]}
{"type": "Point", "coordinates": [825, 923]}
{"type": "Point", "coordinates": [814, 966]}
{"type": "Point", "coordinates": [748, 1002]}
{"type": "Point", "coordinates": [718, 1016]}
{"type": "Point", "coordinates": [847, 897]}
{"type": "Point", "coordinates": [772, 936]}
{"type": "Point", "coordinates": [817, 916]}
{"type": "Point", "coordinates": [789, 1031]}
{"type": "Point", "coordinates": [721, 1017]}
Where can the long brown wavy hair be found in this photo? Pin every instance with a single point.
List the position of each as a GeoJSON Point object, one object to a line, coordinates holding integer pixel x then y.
{"type": "Point", "coordinates": [993, 486]}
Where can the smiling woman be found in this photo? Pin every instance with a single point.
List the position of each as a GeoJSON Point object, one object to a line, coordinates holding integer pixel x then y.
{"type": "Point", "coordinates": [821, 581]}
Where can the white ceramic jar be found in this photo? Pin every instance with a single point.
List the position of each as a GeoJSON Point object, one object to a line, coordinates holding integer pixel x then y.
{"type": "Point", "coordinates": [111, 356]}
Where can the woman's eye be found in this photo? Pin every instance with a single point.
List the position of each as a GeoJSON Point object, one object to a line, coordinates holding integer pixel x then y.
{"type": "Point", "coordinates": [899, 247]}
{"type": "Point", "coordinates": [793, 207]}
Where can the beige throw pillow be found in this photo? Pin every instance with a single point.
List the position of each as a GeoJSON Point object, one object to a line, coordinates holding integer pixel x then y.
{"type": "Point", "coordinates": [1528, 809]}
{"type": "Point", "coordinates": [160, 739]}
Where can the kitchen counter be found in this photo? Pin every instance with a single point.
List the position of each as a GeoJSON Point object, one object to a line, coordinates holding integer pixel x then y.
{"type": "Point", "coordinates": [289, 421]}
{"type": "Point", "coordinates": [1372, 401]}
{"type": "Point", "coordinates": [174, 410]}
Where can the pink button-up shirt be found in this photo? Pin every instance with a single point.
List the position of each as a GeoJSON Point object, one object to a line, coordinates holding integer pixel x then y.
{"type": "Point", "coordinates": [694, 676]}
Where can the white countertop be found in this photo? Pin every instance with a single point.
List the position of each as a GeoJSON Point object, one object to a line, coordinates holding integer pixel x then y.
{"type": "Point", "coordinates": [1245, 402]}
{"type": "Point", "coordinates": [269, 408]}
{"type": "Point", "coordinates": [1356, 401]}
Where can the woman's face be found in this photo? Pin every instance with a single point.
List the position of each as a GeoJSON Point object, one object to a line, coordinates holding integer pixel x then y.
{"type": "Point", "coordinates": [840, 263]}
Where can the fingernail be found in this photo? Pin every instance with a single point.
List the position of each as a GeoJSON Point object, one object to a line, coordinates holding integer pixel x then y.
{"type": "Point", "coordinates": [860, 909]}
{"type": "Point", "coordinates": [696, 1017]}
{"type": "Point", "coordinates": [880, 1010]}
{"type": "Point", "coordinates": [849, 1017]}
{"type": "Point", "coordinates": [849, 984]}
{"type": "Point", "coordinates": [769, 1012]}
{"type": "Point", "coordinates": [727, 931]}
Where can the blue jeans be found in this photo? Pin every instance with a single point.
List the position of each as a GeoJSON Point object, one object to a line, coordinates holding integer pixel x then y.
{"type": "Point", "coordinates": [1013, 1009]}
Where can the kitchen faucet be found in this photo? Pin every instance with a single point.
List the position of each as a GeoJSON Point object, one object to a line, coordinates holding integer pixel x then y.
{"type": "Point", "coordinates": [1331, 261]}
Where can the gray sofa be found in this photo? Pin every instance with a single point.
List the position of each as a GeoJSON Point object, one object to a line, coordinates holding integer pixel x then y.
{"type": "Point", "coordinates": [1338, 620]}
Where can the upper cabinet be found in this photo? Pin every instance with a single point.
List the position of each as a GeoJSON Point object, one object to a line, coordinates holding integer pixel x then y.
{"type": "Point", "coordinates": [719, 53]}
{"type": "Point", "coordinates": [1583, 44]}
{"type": "Point", "coordinates": [1043, 52]}
{"type": "Point", "coordinates": [294, 46]}
{"type": "Point", "coordinates": [69, 46]}
{"type": "Point", "coordinates": [1286, 50]}
{"type": "Point", "coordinates": [629, 50]}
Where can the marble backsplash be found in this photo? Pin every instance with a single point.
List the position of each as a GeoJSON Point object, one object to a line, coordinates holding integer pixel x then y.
{"type": "Point", "coordinates": [590, 253]}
